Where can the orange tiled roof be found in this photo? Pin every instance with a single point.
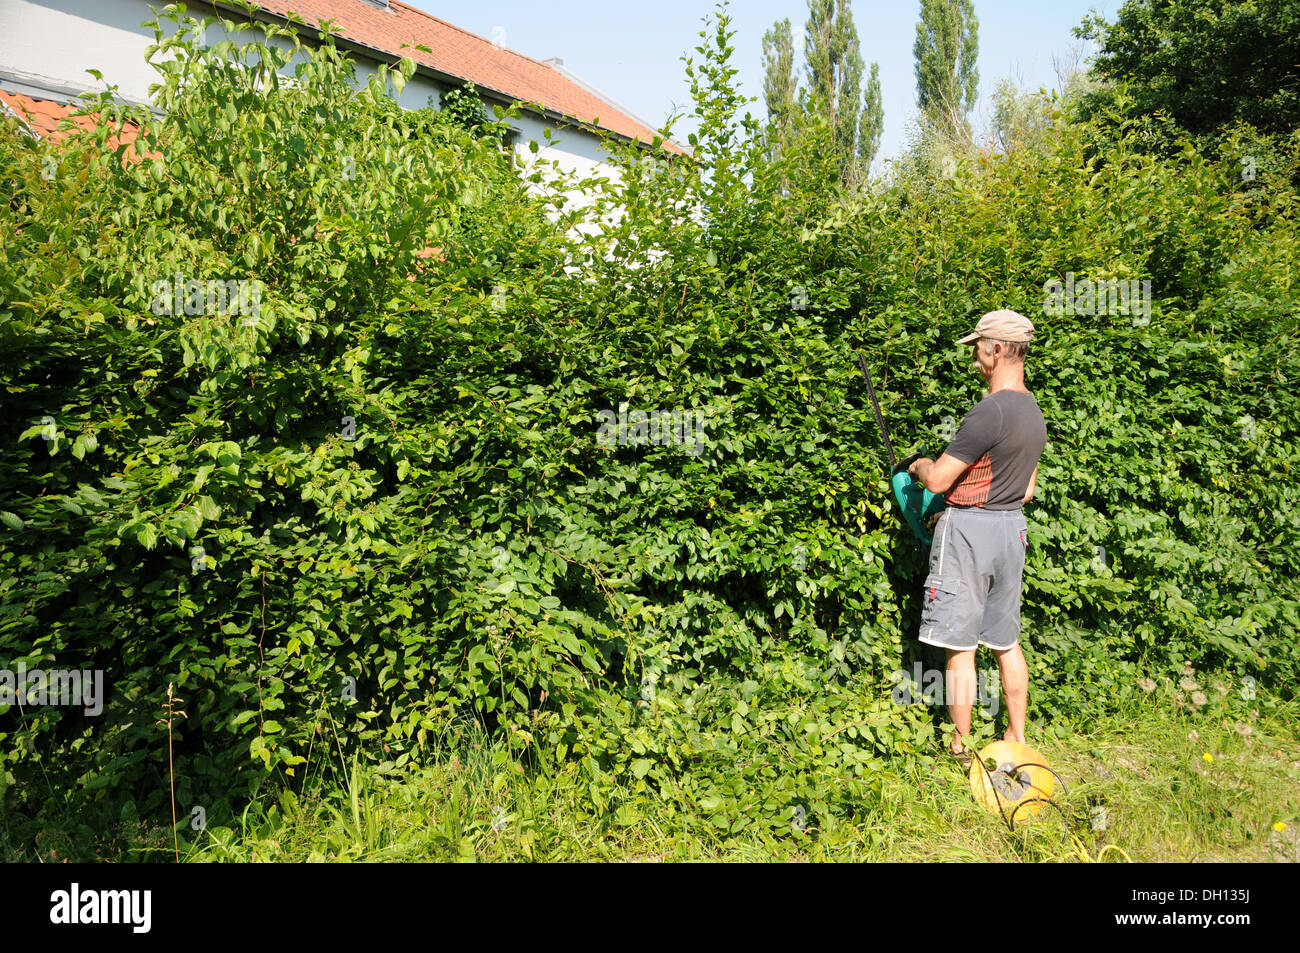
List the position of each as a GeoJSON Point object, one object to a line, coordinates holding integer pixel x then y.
{"type": "Point", "coordinates": [44, 117]}
{"type": "Point", "coordinates": [464, 55]}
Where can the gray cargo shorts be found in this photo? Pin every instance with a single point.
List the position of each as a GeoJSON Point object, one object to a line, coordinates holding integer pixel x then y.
{"type": "Point", "coordinates": [972, 592]}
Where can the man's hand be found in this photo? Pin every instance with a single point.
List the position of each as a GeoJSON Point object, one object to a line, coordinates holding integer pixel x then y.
{"type": "Point", "coordinates": [929, 524]}
{"type": "Point", "coordinates": [938, 476]}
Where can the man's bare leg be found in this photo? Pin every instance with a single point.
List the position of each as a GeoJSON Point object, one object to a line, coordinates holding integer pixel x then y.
{"type": "Point", "coordinates": [960, 685]}
{"type": "Point", "coordinates": [1015, 690]}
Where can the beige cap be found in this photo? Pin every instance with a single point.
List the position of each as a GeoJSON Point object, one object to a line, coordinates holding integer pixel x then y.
{"type": "Point", "coordinates": [1004, 325]}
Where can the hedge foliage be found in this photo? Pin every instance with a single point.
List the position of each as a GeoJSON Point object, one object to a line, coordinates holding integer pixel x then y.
{"type": "Point", "coordinates": [406, 510]}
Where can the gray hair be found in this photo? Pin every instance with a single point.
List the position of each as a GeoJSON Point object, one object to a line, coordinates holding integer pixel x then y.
{"type": "Point", "coordinates": [1011, 350]}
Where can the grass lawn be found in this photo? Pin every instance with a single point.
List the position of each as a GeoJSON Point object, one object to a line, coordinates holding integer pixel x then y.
{"type": "Point", "coordinates": [1151, 784]}
{"type": "Point", "coordinates": [1155, 782]}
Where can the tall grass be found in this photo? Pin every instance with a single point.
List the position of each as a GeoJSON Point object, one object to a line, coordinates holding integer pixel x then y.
{"type": "Point", "coordinates": [1140, 787]}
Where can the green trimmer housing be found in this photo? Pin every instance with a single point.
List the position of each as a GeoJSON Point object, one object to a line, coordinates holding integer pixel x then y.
{"type": "Point", "coordinates": [917, 503]}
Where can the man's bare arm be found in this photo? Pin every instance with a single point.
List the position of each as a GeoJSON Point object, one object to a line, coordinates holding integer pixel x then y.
{"type": "Point", "coordinates": [1033, 482]}
{"type": "Point", "coordinates": [939, 476]}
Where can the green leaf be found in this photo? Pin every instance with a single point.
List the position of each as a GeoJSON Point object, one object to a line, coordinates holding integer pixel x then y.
{"type": "Point", "coordinates": [147, 536]}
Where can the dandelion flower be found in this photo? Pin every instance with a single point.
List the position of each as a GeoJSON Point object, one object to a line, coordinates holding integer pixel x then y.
{"type": "Point", "coordinates": [1279, 827]}
{"type": "Point", "coordinates": [1199, 699]}
{"type": "Point", "coordinates": [1146, 684]}
{"type": "Point", "coordinates": [1244, 729]}
{"type": "Point", "coordinates": [1207, 757]}
{"type": "Point", "coordinates": [1188, 685]}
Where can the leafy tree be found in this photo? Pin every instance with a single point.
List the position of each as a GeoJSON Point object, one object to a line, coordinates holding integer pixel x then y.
{"type": "Point", "coordinates": [208, 355]}
{"type": "Point", "coordinates": [1021, 119]}
{"type": "Point", "coordinates": [1206, 64]}
{"type": "Point", "coordinates": [946, 50]}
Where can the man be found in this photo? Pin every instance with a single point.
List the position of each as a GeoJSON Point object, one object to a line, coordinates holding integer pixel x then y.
{"type": "Point", "coordinates": [977, 559]}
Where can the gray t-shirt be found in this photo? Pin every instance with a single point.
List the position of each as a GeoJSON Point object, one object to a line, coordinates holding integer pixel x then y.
{"type": "Point", "coordinates": [1001, 438]}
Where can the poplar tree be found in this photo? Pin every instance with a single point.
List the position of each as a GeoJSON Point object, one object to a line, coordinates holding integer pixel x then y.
{"type": "Point", "coordinates": [947, 45]}
{"type": "Point", "coordinates": [871, 125]}
{"type": "Point", "coordinates": [834, 68]}
{"type": "Point", "coordinates": [780, 84]}
{"type": "Point", "coordinates": [779, 81]}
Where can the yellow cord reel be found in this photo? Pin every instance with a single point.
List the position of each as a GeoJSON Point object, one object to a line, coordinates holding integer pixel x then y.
{"type": "Point", "coordinates": [1020, 784]}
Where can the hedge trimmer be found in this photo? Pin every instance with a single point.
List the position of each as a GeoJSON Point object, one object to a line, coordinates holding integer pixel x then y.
{"type": "Point", "coordinates": [917, 503]}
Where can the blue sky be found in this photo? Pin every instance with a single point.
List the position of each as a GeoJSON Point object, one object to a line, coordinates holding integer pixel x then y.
{"type": "Point", "coordinates": [633, 51]}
